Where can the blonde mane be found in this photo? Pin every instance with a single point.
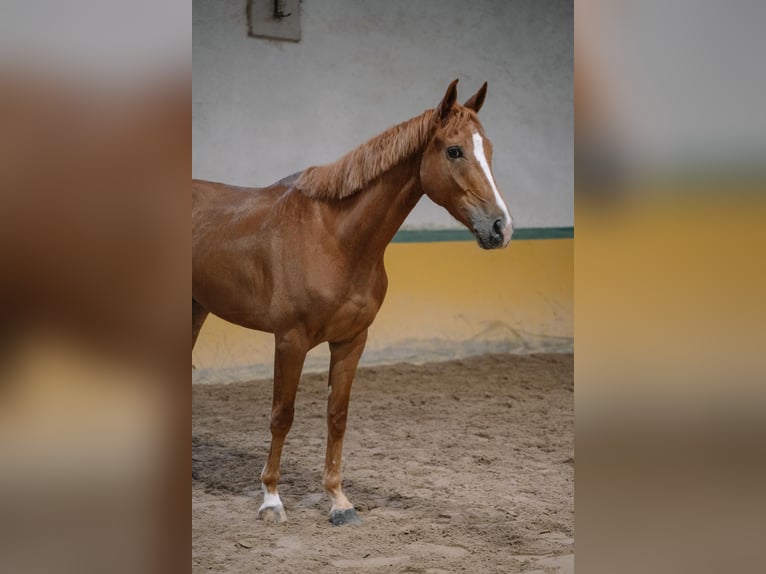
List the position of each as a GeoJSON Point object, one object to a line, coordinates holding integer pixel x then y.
{"type": "Point", "coordinates": [352, 172]}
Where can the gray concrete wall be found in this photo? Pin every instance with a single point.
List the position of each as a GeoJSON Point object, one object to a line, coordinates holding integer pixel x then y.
{"type": "Point", "coordinates": [263, 109]}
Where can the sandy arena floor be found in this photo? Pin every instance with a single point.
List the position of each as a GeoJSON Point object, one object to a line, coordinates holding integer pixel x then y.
{"type": "Point", "coordinates": [463, 466]}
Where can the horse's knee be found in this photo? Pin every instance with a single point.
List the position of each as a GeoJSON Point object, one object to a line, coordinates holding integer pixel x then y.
{"type": "Point", "coordinates": [336, 420]}
{"type": "Point", "coordinates": [282, 420]}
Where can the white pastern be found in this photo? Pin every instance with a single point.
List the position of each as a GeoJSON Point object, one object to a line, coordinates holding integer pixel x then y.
{"type": "Point", "coordinates": [270, 500]}
{"type": "Point", "coordinates": [478, 151]}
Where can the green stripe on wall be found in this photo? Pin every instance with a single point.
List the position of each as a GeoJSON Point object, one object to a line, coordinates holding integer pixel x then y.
{"type": "Point", "coordinates": [438, 235]}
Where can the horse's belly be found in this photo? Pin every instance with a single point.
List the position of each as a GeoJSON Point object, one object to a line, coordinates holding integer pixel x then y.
{"type": "Point", "coordinates": [244, 316]}
{"type": "Point", "coordinates": [228, 300]}
{"type": "Point", "coordinates": [249, 318]}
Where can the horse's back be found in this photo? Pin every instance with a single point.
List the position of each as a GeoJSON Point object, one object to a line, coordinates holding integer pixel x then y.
{"type": "Point", "coordinates": [212, 194]}
{"type": "Point", "coordinates": [222, 212]}
{"type": "Point", "coordinates": [204, 192]}
{"type": "Point", "coordinates": [234, 233]}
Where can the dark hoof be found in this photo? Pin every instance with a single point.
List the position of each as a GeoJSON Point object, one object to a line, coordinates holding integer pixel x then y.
{"type": "Point", "coordinates": [341, 517]}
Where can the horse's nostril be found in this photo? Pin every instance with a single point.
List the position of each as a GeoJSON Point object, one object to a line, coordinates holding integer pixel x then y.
{"type": "Point", "coordinates": [497, 227]}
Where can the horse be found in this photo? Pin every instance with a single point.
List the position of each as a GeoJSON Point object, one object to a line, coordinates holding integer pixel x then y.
{"type": "Point", "coordinates": [303, 258]}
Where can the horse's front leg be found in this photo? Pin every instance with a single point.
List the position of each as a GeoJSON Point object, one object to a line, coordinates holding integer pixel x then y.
{"type": "Point", "coordinates": [290, 353]}
{"type": "Point", "coordinates": [344, 358]}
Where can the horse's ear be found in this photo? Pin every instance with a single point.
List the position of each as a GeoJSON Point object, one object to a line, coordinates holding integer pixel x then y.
{"type": "Point", "coordinates": [477, 100]}
{"type": "Point", "coordinates": [449, 98]}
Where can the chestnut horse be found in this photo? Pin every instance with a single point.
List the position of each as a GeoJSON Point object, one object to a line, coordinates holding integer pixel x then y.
{"type": "Point", "coordinates": [303, 258]}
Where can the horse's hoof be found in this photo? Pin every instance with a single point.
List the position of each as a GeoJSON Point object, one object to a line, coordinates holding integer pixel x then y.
{"type": "Point", "coordinates": [341, 517]}
{"type": "Point", "coordinates": [275, 514]}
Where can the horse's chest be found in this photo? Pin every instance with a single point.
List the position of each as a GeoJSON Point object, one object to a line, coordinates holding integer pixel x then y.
{"type": "Point", "coordinates": [358, 308]}
{"type": "Point", "coordinates": [341, 315]}
{"type": "Point", "coordinates": [346, 306]}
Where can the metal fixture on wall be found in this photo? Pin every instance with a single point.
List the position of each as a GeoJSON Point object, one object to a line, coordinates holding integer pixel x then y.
{"type": "Point", "coordinates": [274, 19]}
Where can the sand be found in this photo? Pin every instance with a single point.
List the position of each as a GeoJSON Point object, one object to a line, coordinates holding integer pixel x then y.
{"type": "Point", "coordinates": [459, 466]}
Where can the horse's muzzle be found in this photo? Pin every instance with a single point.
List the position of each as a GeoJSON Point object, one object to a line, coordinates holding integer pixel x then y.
{"type": "Point", "coordinates": [495, 235]}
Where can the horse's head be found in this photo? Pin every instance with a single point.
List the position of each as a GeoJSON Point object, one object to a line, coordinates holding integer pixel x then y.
{"type": "Point", "coordinates": [456, 170]}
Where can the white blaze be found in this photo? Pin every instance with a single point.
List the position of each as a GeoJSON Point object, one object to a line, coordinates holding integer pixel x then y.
{"type": "Point", "coordinates": [478, 151]}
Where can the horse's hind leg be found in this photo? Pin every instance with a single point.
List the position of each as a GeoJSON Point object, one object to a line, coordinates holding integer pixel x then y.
{"type": "Point", "coordinates": [344, 358]}
{"type": "Point", "coordinates": [289, 356]}
{"type": "Point", "coordinates": [199, 314]}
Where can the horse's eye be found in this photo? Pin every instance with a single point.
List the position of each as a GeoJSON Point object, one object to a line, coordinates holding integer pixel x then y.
{"type": "Point", "coordinates": [454, 152]}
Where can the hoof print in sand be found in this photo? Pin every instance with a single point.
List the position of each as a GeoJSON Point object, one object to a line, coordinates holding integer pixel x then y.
{"type": "Point", "coordinates": [275, 514]}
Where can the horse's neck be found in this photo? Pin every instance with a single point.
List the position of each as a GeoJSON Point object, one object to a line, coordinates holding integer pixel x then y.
{"type": "Point", "coordinates": [376, 212]}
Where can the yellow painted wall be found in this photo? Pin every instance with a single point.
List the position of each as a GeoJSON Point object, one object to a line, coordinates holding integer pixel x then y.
{"type": "Point", "coordinates": [445, 300]}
